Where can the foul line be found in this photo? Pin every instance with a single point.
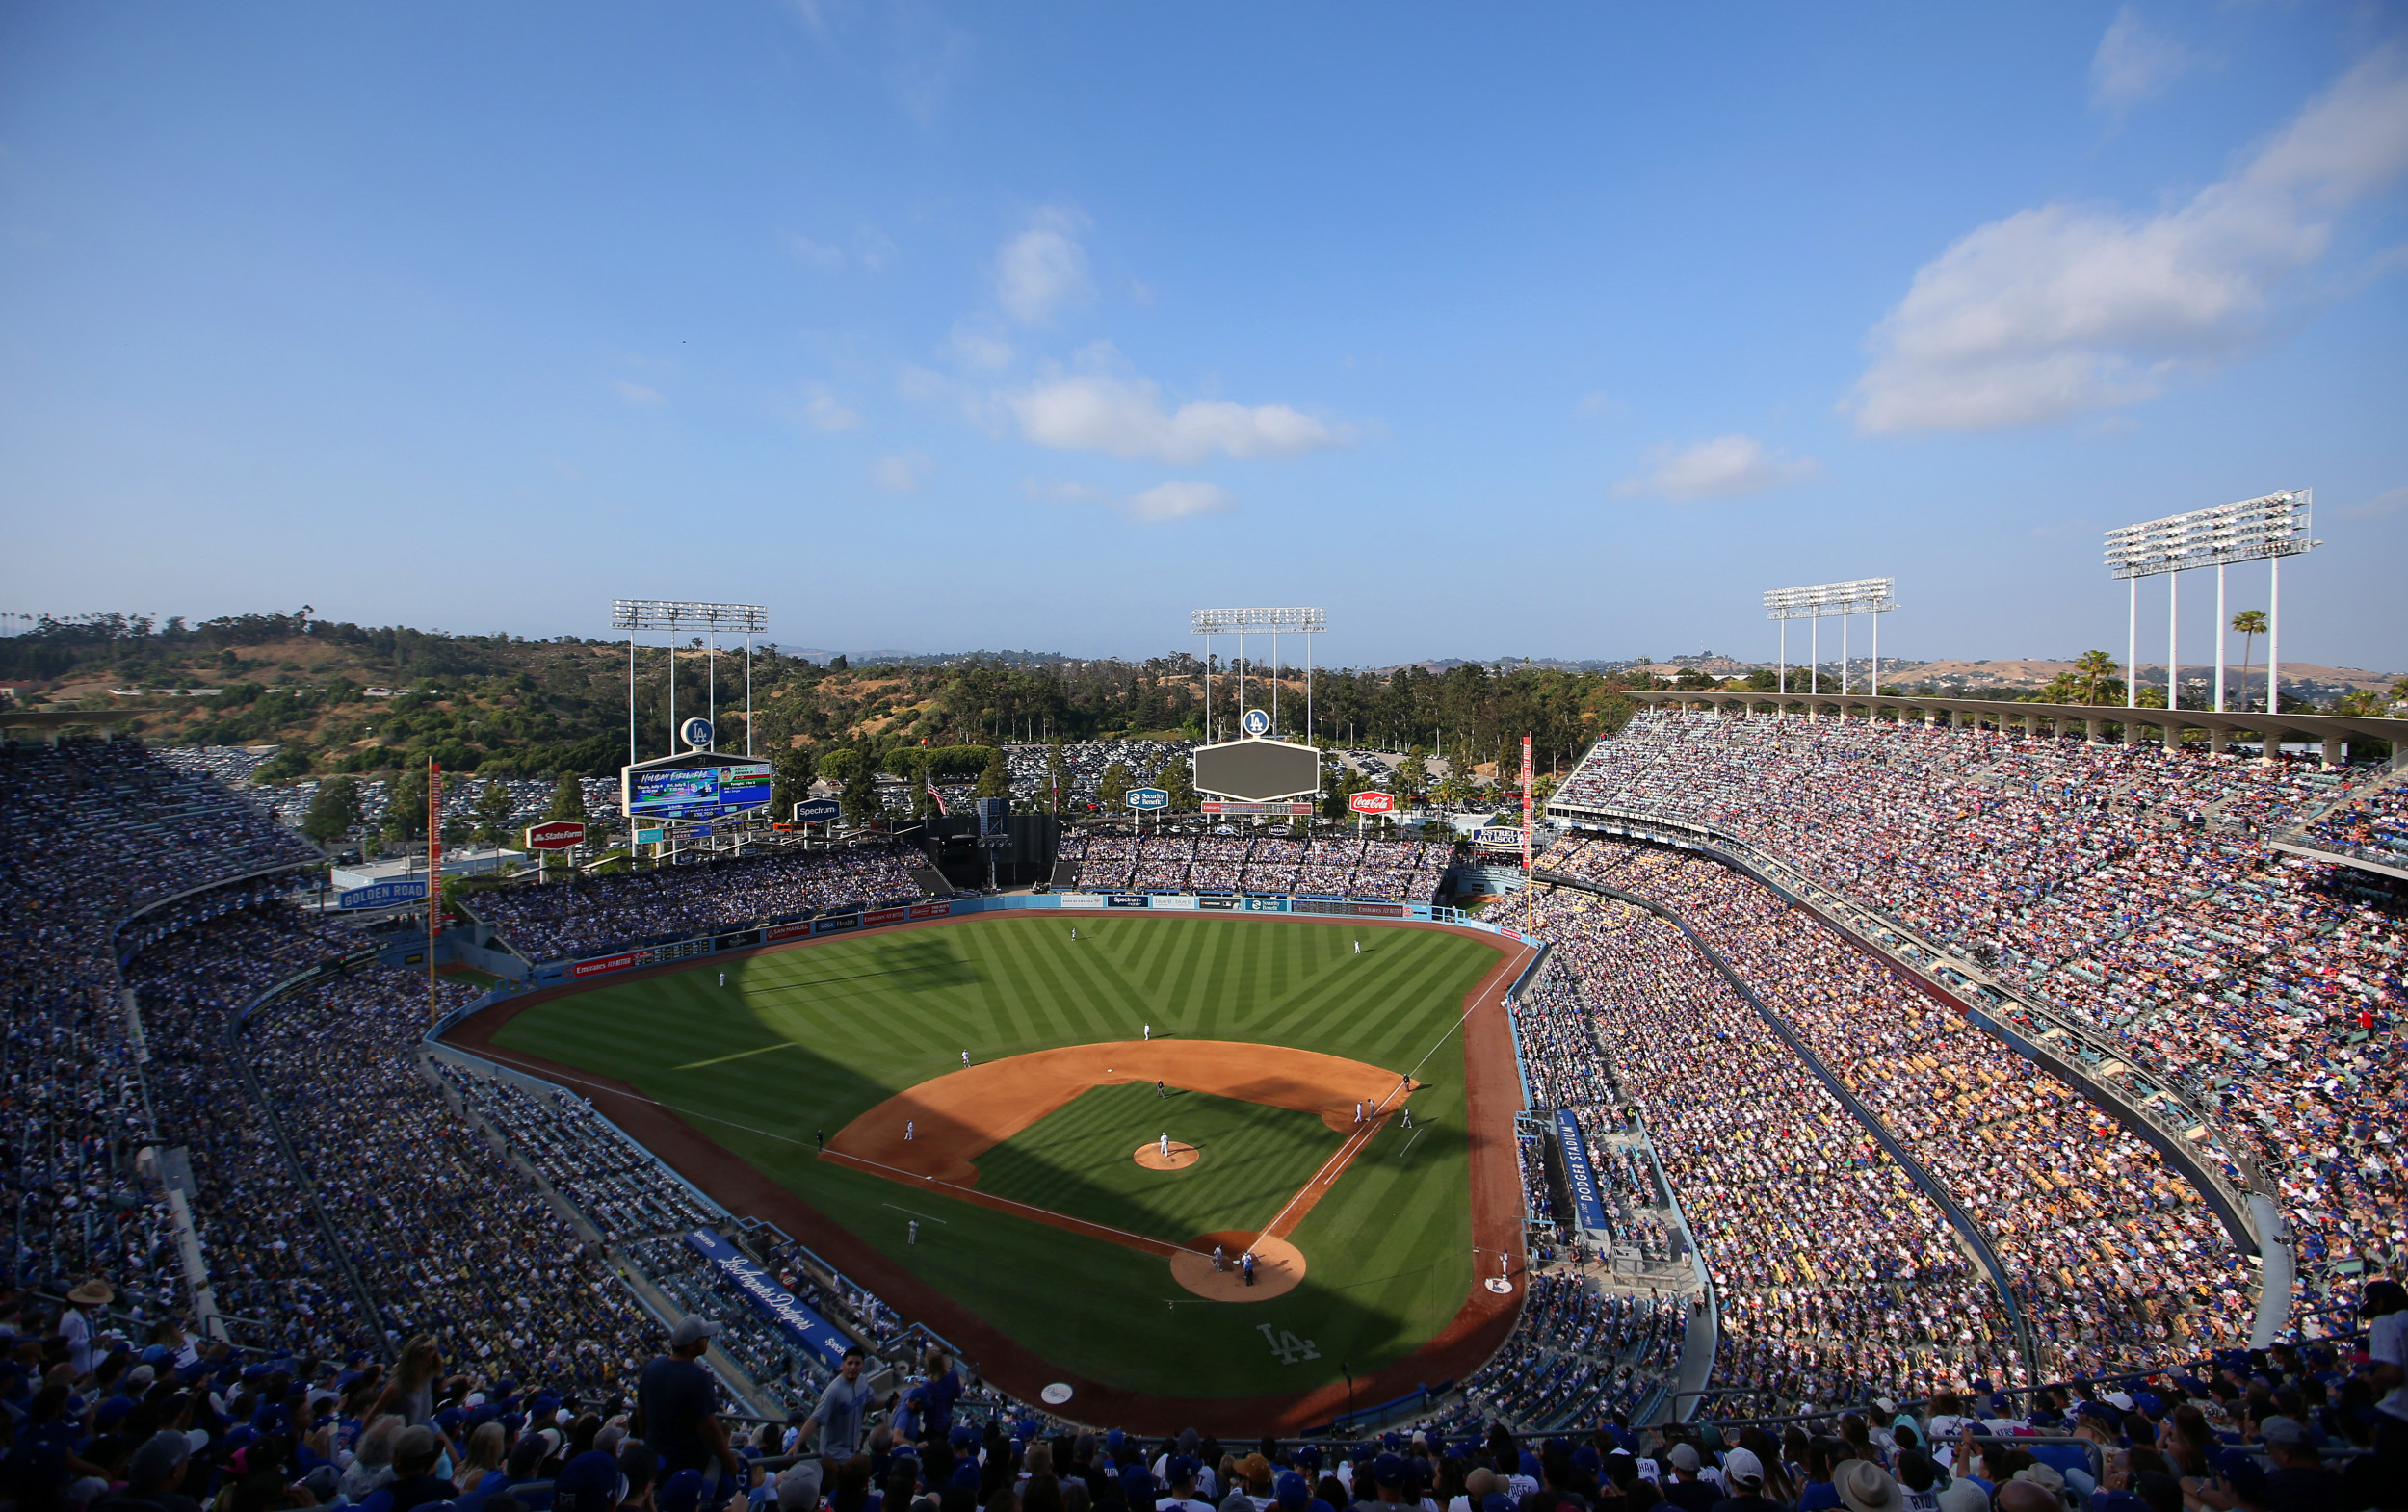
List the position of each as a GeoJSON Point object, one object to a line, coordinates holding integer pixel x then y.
{"type": "Point", "coordinates": [715, 1060]}
{"type": "Point", "coordinates": [1061, 1220]}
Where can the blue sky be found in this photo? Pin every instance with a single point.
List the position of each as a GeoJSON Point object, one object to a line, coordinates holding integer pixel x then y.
{"type": "Point", "coordinates": [1549, 331]}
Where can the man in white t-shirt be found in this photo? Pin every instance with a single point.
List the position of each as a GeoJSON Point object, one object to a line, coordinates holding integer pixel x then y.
{"type": "Point", "coordinates": [76, 1328]}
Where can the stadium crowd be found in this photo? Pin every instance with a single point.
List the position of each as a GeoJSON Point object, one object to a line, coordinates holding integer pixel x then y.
{"type": "Point", "coordinates": [2373, 826]}
{"type": "Point", "coordinates": [1344, 865]}
{"type": "Point", "coordinates": [591, 914]}
{"type": "Point", "coordinates": [2121, 886]}
{"type": "Point", "coordinates": [1837, 1278]}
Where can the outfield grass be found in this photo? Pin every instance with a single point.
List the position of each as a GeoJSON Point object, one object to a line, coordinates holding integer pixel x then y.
{"type": "Point", "coordinates": [805, 1039]}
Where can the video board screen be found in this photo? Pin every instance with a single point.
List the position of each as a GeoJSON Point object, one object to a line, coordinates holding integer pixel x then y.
{"type": "Point", "coordinates": [694, 793]}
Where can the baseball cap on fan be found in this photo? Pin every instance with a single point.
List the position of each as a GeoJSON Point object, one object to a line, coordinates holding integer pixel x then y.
{"type": "Point", "coordinates": [1743, 1468]}
{"type": "Point", "coordinates": [691, 1329]}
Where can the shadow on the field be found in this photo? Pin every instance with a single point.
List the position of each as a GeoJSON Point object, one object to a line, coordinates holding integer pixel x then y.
{"type": "Point", "coordinates": [928, 961]}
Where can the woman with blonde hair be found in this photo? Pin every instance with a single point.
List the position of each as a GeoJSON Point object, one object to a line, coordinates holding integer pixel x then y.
{"type": "Point", "coordinates": [411, 1391]}
{"type": "Point", "coordinates": [485, 1449]}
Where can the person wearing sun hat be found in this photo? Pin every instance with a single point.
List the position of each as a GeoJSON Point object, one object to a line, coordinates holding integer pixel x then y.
{"type": "Point", "coordinates": [1866, 1487]}
{"type": "Point", "coordinates": [75, 1327]}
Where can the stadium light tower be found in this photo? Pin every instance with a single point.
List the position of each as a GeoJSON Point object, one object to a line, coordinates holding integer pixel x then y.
{"type": "Point", "coordinates": [2269, 527]}
{"type": "Point", "coordinates": [1305, 622]}
{"type": "Point", "coordinates": [1859, 596]}
{"type": "Point", "coordinates": [676, 616]}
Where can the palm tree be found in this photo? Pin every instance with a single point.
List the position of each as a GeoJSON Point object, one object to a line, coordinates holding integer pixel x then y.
{"type": "Point", "coordinates": [2093, 670]}
{"type": "Point", "coordinates": [2251, 624]}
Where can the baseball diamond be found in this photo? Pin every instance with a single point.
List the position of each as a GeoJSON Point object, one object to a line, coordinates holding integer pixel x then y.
{"type": "Point", "coordinates": [1056, 1240]}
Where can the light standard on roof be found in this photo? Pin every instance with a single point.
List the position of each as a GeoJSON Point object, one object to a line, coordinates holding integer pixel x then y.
{"type": "Point", "coordinates": [1857, 596]}
{"type": "Point", "coordinates": [2270, 527]}
{"type": "Point", "coordinates": [1305, 622]}
{"type": "Point", "coordinates": [632, 614]}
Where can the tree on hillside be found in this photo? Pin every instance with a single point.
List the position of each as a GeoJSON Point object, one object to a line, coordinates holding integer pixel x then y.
{"type": "Point", "coordinates": [995, 781]}
{"type": "Point", "coordinates": [1412, 776]}
{"type": "Point", "coordinates": [2251, 624]}
{"type": "Point", "coordinates": [1113, 792]}
{"type": "Point", "coordinates": [492, 812]}
{"type": "Point", "coordinates": [333, 809]}
{"type": "Point", "coordinates": [405, 816]}
{"type": "Point", "coordinates": [569, 799]}
{"type": "Point", "coordinates": [1174, 777]}
{"type": "Point", "coordinates": [860, 797]}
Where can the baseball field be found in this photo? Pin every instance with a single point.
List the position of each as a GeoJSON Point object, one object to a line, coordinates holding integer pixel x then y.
{"type": "Point", "coordinates": [1035, 1143]}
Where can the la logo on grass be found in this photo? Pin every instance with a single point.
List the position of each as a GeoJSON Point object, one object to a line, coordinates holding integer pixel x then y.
{"type": "Point", "coordinates": [1287, 1345]}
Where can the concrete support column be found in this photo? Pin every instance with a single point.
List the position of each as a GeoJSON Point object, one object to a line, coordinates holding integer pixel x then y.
{"type": "Point", "coordinates": [2132, 732]}
{"type": "Point", "coordinates": [2332, 753]}
{"type": "Point", "coordinates": [2031, 727]}
{"type": "Point", "coordinates": [2098, 730]}
{"type": "Point", "coordinates": [2218, 742]}
{"type": "Point", "coordinates": [2172, 735]}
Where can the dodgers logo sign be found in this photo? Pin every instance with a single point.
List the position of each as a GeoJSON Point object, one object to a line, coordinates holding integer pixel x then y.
{"type": "Point", "coordinates": [1257, 724]}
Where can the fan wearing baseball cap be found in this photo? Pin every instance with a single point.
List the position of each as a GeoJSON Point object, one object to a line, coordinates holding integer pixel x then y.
{"type": "Point", "coordinates": [2385, 1305]}
{"type": "Point", "coordinates": [1744, 1472]}
{"type": "Point", "coordinates": [679, 1399]}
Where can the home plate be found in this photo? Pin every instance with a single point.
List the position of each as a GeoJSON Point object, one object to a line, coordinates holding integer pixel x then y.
{"type": "Point", "coordinates": [1056, 1395]}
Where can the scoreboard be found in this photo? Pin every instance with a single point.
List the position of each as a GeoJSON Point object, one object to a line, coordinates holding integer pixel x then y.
{"type": "Point", "coordinates": [700, 791]}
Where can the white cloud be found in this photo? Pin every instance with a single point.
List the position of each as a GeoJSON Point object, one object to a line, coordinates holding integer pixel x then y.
{"type": "Point", "coordinates": [1722, 468]}
{"type": "Point", "coordinates": [1179, 499]}
{"type": "Point", "coordinates": [2067, 308]}
{"type": "Point", "coordinates": [641, 396]}
{"type": "Point", "coordinates": [979, 344]}
{"type": "Point", "coordinates": [872, 248]}
{"type": "Point", "coordinates": [902, 473]}
{"type": "Point", "coordinates": [825, 411]}
{"type": "Point", "coordinates": [1598, 404]}
{"type": "Point", "coordinates": [2135, 62]}
{"type": "Point", "coordinates": [816, 255]}
{"type": "Point", "coordinates": [1105, 408]}
{"type": "Point", "coordinates": [1043, 271]}
{"type": "Point", "coordinates": [2389, 501]}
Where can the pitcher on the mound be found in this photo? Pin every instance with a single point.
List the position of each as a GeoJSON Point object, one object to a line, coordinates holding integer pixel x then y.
{"type": "Point", "coordinates": [1165, 1147]}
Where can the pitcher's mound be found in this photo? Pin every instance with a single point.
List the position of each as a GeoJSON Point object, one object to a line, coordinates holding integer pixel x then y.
{"type": "Point", "coordinates": [1278, 1268]}
{"type": "Point", "coordinates": [1151, 1157]}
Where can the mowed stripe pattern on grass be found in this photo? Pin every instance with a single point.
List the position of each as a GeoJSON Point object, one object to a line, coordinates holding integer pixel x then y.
{"type": "Point", "coordinates": [1077, 1160]}
{"type": "Point", "coordinates": [806, 1040]}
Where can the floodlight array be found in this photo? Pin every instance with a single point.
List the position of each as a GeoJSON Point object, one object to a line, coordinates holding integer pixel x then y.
{"type": "Point", "coordinates": [2252, 530]}
{"type": "Point", "coordinates": [1230, 621]}
{"type": "Point", "coordinates": [676, 613]}
{"type": "Point", "coordinates": [1860, 596]}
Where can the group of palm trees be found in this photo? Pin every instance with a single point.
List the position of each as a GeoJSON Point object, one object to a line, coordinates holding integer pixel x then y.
{"type": "Point", "coordinates": [2094, 681]}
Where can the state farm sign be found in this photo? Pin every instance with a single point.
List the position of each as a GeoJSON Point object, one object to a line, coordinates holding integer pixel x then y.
{"type": "Point", "coordinates": [557, 834]}
{"type": "Point", "coordinates": [1372, 803]}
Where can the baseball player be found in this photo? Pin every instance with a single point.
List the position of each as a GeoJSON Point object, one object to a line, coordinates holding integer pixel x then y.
{"type": "Point", "coordinates": [1245, 1263]}
{"type": "Point", "coordinates": [723, 979]}
{"type": "Point", "coordinates": [1149, 1031]}
{"type": "Point", "coordinates": [1358, 946]}
{"type": "Point", "coordinates": [965, 1057]}
{"type": "Point", "coordinates": [908, 1126]}
{"type": "Point", "coordinates": [1408, 1118]}
{"type": "Point", "coordinates": [915, 1233]}
{"type": "Point", "coordinates": [1220, 1260]}
{"type": "Point", "coordinates": [1074, 934]}
{"type": "Point", "coordinates": [1158, 1090]}
{"type": "Point", "coordinates": [1166, 1146]}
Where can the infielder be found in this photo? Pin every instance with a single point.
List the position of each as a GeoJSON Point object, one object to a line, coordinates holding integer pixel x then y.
{"type": "Point", "coordinates": [1220, 1260]}
{"type": "Point", "coordinates": [908, 1126]}
{"type": "Point", "coordinates": [965, 1057]}
{"type": "Point", "coordinates": [1245, 1263]}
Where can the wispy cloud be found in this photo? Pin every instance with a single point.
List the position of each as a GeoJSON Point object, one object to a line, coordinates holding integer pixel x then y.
{"type": "Point", "coordinates": [1178, 499]}
{"type": "Point", "coordinates": [2136, 62]}
{"type": "Point", "coordinates": [902, 473]}
{"type": "Point", "coordinates": [1103, 406]}
{"type": "Point", "coordinates": [1726, 467]}
{"type": "Point", "coordinates": [1042, 272]}
{"type": "Point", "coordinates": [639, 396]}
{"type": "Point", "coordinates": [1598, 404]}
{"type": "Point", "coordinates": [816, 255]}
{"type": "Point", "coordinates": [979, 344]}
{"type": "Point", "coordinates": [2063, 309]}
{"type": "Point", "coordinates": [2389, 501]}
{"type": "Point", "coordinates": [825, 411]}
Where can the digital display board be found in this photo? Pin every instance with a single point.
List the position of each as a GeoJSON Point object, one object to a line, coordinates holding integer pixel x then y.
{"type": "Point", "coordinates": [692, 792]}
{"type": "Point", "coordinates": [1258, 772]}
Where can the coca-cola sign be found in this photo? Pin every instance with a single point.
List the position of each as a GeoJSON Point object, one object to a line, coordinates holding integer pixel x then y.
{"type": "Point", "coordinates": [1372, 803]}
{"type": "Point", "coordinates": [557, 834]}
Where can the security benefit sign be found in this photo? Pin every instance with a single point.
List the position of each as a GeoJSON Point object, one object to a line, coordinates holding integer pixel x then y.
{"type": "Point", "coordinates": [1588, 1205]}
{"type": "Point", "coordinates": [772, 1301]}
